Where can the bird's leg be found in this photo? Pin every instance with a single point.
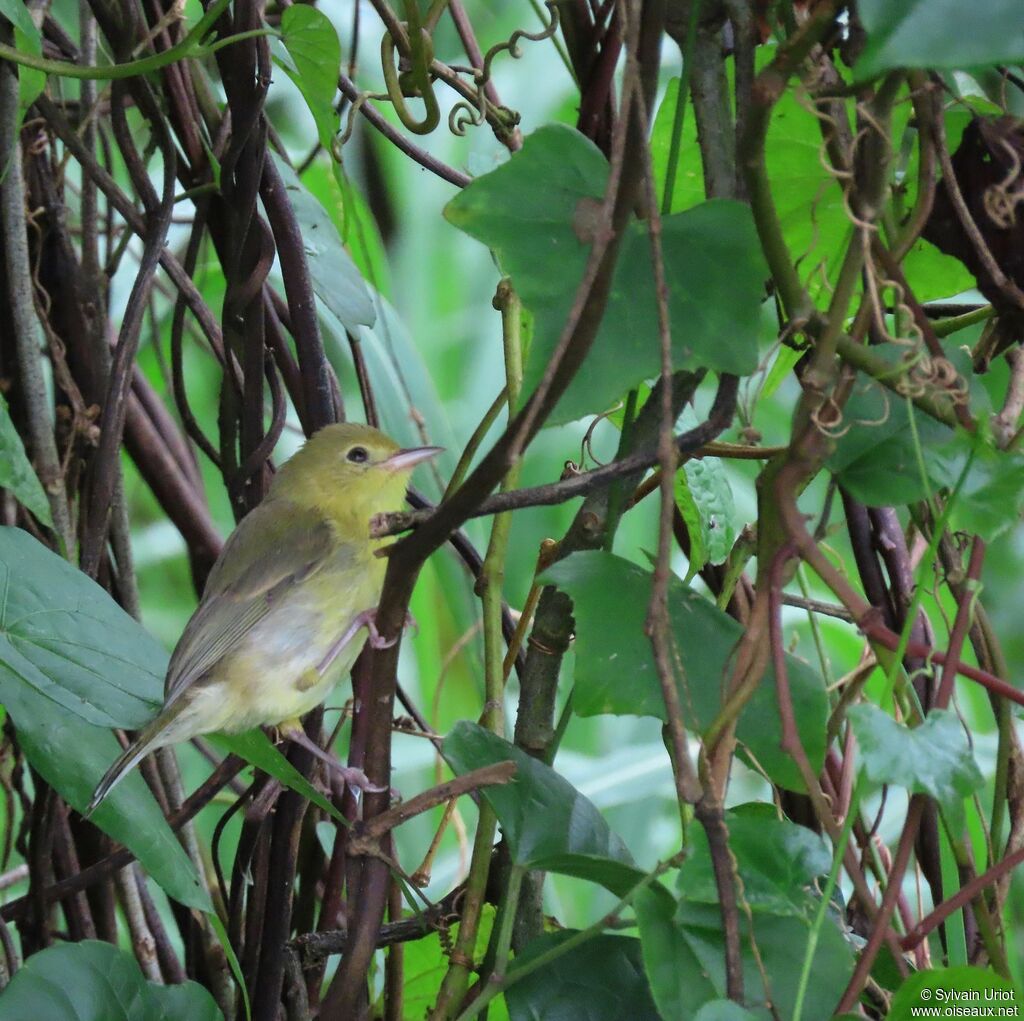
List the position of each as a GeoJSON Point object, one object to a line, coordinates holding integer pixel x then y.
{"type": "Point", "coordinates": [367, 619]}
{"type": "Point", "coordinates": [293, 730]}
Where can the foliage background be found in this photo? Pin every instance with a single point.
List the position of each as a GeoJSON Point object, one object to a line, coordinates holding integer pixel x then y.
{"type": "Point", "coordinates": [436, 363]}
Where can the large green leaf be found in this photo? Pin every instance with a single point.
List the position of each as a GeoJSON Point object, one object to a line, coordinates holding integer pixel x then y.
{"type": "Point", "coordinates": [892, 453]}
{"type": "Point", "coordinates": [807, 198]}
{"type": "Point", "coordinates": [679, 984]}
{"type": "Point", "coordinates": [939, 34]}
{"type": "Point", "coordinates": [877, 458]}
{"type": "Point", "coordinates": [57, 618]}
{"type": "Point", "coordinates": [72, 665]}
{"type": "Point", "coordinates": [963, 987]}
{"type": "Point", "coordinates": [615, 667]}
{"type": "Point", "coordinates": [602, 979]}
{"type": "Point", "coordinates": [312, 60]}
{"type": "Point", "coordinates": [538, 213]}
{"type": "Point", "coordinates": [547, 823]}
{"type": "Point", "coordinates": [336, 281]}
{"type": "Point", "coordinates": [66, 641]}
{"type": "Point", "coordinates": [934, 758]}
{"type": "Point", "coordinates": [16, 472]}
{"type": "Point", "coordinates": [777, 860]}
{"type": "Point", "coordinates": [991, 496]}
{"type": "Point", "coordinates": [94, 981]}
{"type": "Point", "coordinates": [723, 1010]}
{"type": "Point", "coordinates": [684, 955]}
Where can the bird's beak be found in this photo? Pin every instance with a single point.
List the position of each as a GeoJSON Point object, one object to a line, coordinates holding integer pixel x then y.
{"type": "Point", "coordinates": [408, 458]}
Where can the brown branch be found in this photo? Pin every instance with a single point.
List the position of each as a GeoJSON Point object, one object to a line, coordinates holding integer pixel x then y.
{"type": "Point", "coordinates": [370, 833]}
{"type": "Point", "coordinates": [318, 394]}
{"type": "Point", "coordinates": [27, 331]}
{"type": "Point", "coordinates": [397, 139]}
{"type": "Point", "coordinates": [968, 892]}
{"type": "Point", "coordinates": [124, 206]}
{"type": "Point", "coordinates": [104, 469]}
{"type": "Point", "coordinates": [719, 419]}
{"type": "Point", "coordinates": [104, 869]}
{"type": "Point", "coordinates": [315, 947]}
{"type": "Point", "coordinates": [880, 925]}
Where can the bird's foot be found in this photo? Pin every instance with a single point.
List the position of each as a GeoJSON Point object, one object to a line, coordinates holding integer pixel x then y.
{"type": "Point", "coordinates": [355, 778]}
{"type": "Point", "coordinates": [377, 640]}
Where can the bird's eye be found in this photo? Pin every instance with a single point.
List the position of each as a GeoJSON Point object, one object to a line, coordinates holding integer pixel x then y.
{"type": "Point", "coordinates": [358, 455]}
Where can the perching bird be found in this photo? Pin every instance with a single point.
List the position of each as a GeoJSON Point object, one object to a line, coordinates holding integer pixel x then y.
{"type": "Point", "coordinates": [295, 582]}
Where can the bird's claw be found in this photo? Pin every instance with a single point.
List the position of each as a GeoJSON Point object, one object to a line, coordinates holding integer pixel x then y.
{"type": "Point", "coordinates": [357, 779]}
{"type": "Point", "coordinates": [377, 640]}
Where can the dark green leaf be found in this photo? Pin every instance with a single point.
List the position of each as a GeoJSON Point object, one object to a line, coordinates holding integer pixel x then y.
{"type": "Point", "coordinates": [939, 34]}
{"type": "Point", "coordinates": [312, 43]}
{"type": "Point", "coordinates": [723, 1010]}
{"type": "Point", "coordinates": [547, 822]}
{"type": "Point", "coordinates": [678, 982]}
{"type": "Point", "coordinates": [876, 459]}
{"type": "Point", "coordinates": [778, 862]}
{"type": "Point", "coordinates": [945, 988]}
{"type": "Point", "coordinates": [782, 943]}
{"type": "Point", "coordinates": [52, 616]}
{"type": "Point", "coordinates": [336, 280]}
{"type": "Point", "coordinates": [539, 211]}
{"type": "Point", "coordinates": [934, 758]}
{"type": "Point", "coordinates": [600, 980]}
{"type": "Point", "coordinates": [610, 597]}
{"type": "Point", "coordinates": [16, 472]}
{"type": "Point", "coordinates": [67, 642]}
{"type": "Point", "coordinates": [94, 981]}
{"type": "Point", "coordinates": [990, 497]}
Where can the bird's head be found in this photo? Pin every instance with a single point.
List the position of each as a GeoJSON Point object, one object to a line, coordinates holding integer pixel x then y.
{"type": "Point", "coordinates": [350, 471]}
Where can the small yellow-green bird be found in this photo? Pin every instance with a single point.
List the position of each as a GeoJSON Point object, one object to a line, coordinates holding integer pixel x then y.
{"type": "Point", "coordinates": [294, 584]}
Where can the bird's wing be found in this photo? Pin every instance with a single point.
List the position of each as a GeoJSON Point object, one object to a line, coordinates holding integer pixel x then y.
{"type": "Point", "coordinates": [276, 546]}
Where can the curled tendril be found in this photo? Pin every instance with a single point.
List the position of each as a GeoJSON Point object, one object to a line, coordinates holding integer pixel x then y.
{"type": "Point", "coordinates": [828, 418]}
{"type": "Point", "coordinates": [416, 81]}
{"type": "Point", "coordinates": [512, 43]}
{"type": "Point", "coordinates": [1001, 199]}
{"type": "Point", "coordinates": [926, 372]}
{"type": "Point", "coordinates": [339, 142]}
{"type": "Point", "coordinates": [466, 114]}
{"type": "Point", "coordinates": [902, 311]}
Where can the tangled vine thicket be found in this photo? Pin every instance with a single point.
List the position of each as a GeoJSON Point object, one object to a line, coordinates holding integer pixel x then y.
{"type": "Point", "coordinates": [179, 300]}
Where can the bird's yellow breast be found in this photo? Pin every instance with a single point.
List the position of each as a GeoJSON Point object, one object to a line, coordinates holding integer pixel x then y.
{"type": "Point", "coordinates": [273, 674]}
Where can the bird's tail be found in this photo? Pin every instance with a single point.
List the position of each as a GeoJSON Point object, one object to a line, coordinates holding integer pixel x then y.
{"type": "Point", "coordinates": [152, 736]}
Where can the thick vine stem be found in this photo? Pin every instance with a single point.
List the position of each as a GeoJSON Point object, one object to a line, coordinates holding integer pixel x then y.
{"type": "Point", "coordinates": [103, 476]}
{"type": "Point", "coordinates": [27, 330]}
